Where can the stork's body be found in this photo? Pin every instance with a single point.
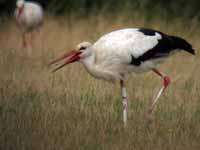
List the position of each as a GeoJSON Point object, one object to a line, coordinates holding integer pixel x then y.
{"type": "Point", "coordinates": [29, 17]}
{"type": "Point", "coordinates": [124, 51]}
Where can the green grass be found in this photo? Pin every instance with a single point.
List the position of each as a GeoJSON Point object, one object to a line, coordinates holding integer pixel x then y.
{"type": "Point", "coordinates": [71, 110]}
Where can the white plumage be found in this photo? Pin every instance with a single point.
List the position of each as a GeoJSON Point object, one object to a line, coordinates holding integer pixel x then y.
{"type": "Point", "coordinates": [113, 52]}
{"type": "Point", "coordinates": [127, 41]}
{"type": "Point", "coordinates": [29, 17]}
{"type": "Point", "coordinates": [116, 54]}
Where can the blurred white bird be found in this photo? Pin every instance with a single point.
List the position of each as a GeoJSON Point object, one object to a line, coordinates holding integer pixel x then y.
{"type": "Point", "coordinates": [124, 51]}
{"type": "Point", "coordinates": [29, 17]}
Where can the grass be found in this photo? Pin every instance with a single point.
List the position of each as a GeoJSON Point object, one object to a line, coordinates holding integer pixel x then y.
{"type": "Point", "coordinates": [71, 110]}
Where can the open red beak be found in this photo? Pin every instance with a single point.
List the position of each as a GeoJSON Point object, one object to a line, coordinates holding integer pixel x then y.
{"type": "Point", "coordinates": [71, 57]}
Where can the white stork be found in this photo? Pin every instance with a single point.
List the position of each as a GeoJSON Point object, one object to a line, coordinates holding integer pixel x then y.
{"type": "Point", "coordinates": [29, 17]}
{"type": "Point", "coordinates": [124, 51]}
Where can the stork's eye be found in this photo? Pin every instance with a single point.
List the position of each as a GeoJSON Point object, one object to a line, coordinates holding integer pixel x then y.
{"type": "Point", "coordinates": [82, 48]}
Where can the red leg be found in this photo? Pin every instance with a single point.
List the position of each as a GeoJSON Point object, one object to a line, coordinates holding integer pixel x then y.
{"type": "Point", "coordinates": [29, 44]}
{"type": "Point", "coordinates": [166, 79]}
{"type": "Point", "coordinates": [26, 41]}
{"type": "Point", "coordinates": [165, 82]}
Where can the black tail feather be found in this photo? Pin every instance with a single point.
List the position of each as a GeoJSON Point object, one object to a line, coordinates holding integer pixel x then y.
{"type": "Point", "coordinates": [180, 43]}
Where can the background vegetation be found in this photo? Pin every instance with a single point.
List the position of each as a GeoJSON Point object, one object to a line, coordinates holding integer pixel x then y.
{"type": "Point", "coordinates": [169, 8]}
{"type": "Point", "coordinates": [69, 110]}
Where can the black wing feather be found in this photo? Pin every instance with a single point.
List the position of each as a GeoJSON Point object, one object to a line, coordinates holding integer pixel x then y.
{"type": "Point", "coordinates": [165, 45]}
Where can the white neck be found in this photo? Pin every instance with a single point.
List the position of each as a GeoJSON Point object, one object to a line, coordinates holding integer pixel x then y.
{"type": "Point", "coordinates": [89, 64]}
{"type": "Point", "coordinates": [96, 70]}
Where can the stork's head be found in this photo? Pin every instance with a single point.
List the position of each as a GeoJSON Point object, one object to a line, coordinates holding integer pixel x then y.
{"type": "Point", "coordinates": [81, 52]}
{"type": "Point", "coordinates": [20, 3]}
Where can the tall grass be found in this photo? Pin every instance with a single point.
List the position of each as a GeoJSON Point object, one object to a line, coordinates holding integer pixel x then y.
{"type": "Point", "coordinates": [71, 110]}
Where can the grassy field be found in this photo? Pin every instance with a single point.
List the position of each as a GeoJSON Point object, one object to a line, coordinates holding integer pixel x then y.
{"type": "Point", "coordinates": [69, 110]}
